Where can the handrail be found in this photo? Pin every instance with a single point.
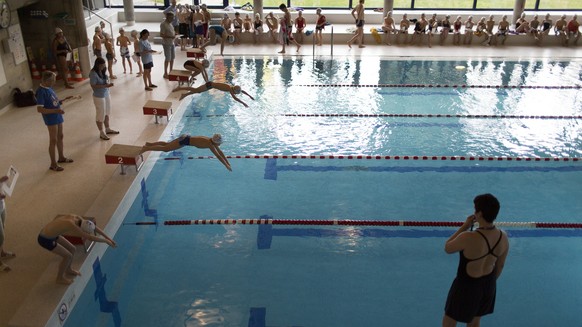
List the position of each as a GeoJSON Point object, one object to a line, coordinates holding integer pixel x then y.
{"type": "Point", "coordinates": [331, 41]}
{"type": "Point", "coordinates": [102, 18]}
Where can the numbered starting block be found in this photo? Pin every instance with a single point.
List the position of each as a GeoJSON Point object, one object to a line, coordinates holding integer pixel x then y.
{"type": "Point", "coordinates": [125, 155]}
{"type": "Point", "coordinates": [182, 76]}
{"type": "Point", "coordinates": [158, 109]}
{"type": "Point", "coordinates": [195, 53]}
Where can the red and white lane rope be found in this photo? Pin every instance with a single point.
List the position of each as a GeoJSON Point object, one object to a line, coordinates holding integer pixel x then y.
{"type": "Point", "coordinates": [435, 116]}
{"type": "Point", "coordinates": [549, 87]}
{"type": "Point", "coordinates": [349, 222]}
{"type": "Point", "coordinates": [363, 157]}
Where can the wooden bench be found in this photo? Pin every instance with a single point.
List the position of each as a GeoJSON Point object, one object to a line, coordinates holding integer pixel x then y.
{"type": "Point", "coordinates": [158, 109]}
{"type": "Point", "coordinates": [124, 155]}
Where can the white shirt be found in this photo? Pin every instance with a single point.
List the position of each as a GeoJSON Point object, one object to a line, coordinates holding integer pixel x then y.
{"type": "Point", "coordinates": [166, 29]}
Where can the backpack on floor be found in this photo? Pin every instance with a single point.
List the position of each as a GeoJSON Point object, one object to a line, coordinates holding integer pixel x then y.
{"type": "Point", "coordinates": [24, 99]}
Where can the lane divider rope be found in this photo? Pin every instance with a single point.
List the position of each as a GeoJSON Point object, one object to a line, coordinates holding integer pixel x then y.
{"type": "Point", "coordinates": [363, 157]}
{"type": "Point", "coordinates": [350, 222]}
{"type": "Point", "coordinates": [550, 87]}
{"type": "Point", "coordinates": [418, 116]}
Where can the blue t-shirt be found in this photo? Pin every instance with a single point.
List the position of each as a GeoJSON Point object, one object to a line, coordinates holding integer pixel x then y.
{"type": "Point", "coordinates": [47, 98]}
{"type": "Point", "coordinates": [95, 79]}
{"type": "Point", "coordinates": [144, 45]}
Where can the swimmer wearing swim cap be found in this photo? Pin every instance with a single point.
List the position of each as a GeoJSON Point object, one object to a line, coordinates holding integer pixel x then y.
{"type": "Point", "coordinates": [73, 225]}
{"type": "Point", "coordinates": [232, 89]}
{"type": "Point", "coordinates": [198, 67]}
{"type": "Point", "coordinates": [202, 142]}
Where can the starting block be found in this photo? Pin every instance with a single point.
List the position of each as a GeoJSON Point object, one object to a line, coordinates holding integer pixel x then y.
{"type": "Point", "coordinates": [124, 155]}
{"type": "Point", "coordinates": [158, 109]}
{"type": "Point", "coordinates": [195, 53]}
{"type": "Point", "coordinates": [76, 240]}
{"type": "Point", "coordinates": [182, 76]}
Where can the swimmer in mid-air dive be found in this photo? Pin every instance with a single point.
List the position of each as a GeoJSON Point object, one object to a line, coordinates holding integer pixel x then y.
{"type": "Point", "coordinates": [233, 89]}
{"type": "Point", "coordinates": [201, 142]}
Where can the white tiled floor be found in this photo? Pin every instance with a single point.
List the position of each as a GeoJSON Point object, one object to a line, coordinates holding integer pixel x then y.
{"type": "Point", "coordinates": [90, 187]}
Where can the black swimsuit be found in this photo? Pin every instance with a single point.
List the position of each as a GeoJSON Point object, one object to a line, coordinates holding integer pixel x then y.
{"type": "Point", "coordinates": [471, 297]}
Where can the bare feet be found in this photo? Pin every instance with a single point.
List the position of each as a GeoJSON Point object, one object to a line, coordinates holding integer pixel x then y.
{"type": "Point", "coordinates": [298, 46]}
{"type": "Point", "coordinates": [361, 46]}
{"type": "Point", "coordinates": [73, 272]}
{"type": "Point", "coordinates": [282, 51]}
{"type": "Point", "coordinates": [349, 45]}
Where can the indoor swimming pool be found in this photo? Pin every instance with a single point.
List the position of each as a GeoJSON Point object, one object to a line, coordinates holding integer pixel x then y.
{"type": "Point", "coordinates": [348, 139]}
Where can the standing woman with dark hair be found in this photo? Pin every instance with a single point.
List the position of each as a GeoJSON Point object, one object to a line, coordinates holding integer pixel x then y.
{"type": "Point", "coordinates": [101, 98]}
{"type": "Point", "coordinates": [482, 255]}
{"type": "Point", "coordinates": [61, 48]}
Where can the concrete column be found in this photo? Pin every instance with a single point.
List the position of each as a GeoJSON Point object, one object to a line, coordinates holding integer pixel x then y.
{"type": "Point", "coordinates": [128, 11]}
{"type": "Point", "coordinates": [81, 28]}
{"type": "Point", "coordinates": [388, 6]}
{"type": "Point", "coordinates": [517, 10]}
{"type": "Point", "coordinates": [258, 8]}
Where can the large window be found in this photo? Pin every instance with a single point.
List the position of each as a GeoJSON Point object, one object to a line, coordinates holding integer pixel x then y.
{"type": "Point", "coordinates": [504, 4]}
{"type": "Point", "coordinates": [398, 4]}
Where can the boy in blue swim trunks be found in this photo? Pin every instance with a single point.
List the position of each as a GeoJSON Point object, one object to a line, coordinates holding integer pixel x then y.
{"type": "Point", "coordinates": [73, 225]}
{"type": "Point", "coordinates": [201, 142]}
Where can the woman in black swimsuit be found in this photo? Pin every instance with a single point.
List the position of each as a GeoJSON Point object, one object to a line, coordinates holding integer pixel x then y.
{"type": "Point", "coordinates": [61, 48]}
{"type": "Point", "coordinates": [482, 255]}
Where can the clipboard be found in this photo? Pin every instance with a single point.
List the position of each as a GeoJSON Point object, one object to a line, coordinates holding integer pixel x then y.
{"type": "Point", "coordinates": [8, 186]}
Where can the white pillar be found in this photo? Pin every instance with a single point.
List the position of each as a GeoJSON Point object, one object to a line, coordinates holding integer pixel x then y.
{"type": "Point", "coordinates": [388, 6]}
{"type": "Point", "coordinates": [129, 13]}
{"type": "Point", "coordinates": [258, 8]}
{"type": "Point", "coordinates": [517, 10]}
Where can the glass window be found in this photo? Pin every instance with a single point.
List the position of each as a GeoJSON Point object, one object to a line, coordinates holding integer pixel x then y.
{"type": "Point", "coordinates": [371, 4]}
{"type": "Point", "coordinates": [402, 4]}
{"type": "Point", "coordinates": [503, 4]}
{"type": "Point", "coordinates": [456, 4]}
{"type": "Point", "coordinates": [273, 3]}
{"type": "Point", "coordinates": [560, 4]}
{"type": "Point", "coordinates": [318, 3]}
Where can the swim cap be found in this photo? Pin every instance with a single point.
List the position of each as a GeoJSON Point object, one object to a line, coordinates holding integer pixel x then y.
{"type": "Point", "coordinates": [217, 139]}
{"type": "Point", "coordinates": [58, 30]}
{"type": "Point", "coordinates": [88, 226]}
{"type": "Point", "coordinates": [236, 89]}
{"type": "Point", "coordinates": [97, 29]}
{"type": "Point", "coordinates": [205, 63]}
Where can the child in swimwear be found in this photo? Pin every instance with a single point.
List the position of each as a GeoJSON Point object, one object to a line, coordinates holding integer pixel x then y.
{"type": "Point", "coordinates": [198, 67]}
{"type": "Point", "coordinates": [110, 55]}
{"type": "Point", "coordinates": [247, 24]}
{"type": "Point", "coordinates": [258, 25]}
{"type": "Point", "coordinates": [50, 238]}
{"type": "Point", "coordinates": [319, 26]}
{"type": "Point", "coordinates": [201, 142]}
{"type": "Point", "coordinates": [136, 56]}
{"type": "Point", "coordinates": [232, 89]}
{"type": "Point", "coordinates": [300, 26]}
{"type": "Point", "coordinates": [123, 42]}
{"type": "Point", "coordinates": [237, 23]}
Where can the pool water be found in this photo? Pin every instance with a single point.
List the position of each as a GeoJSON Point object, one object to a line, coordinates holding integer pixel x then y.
{"type": "Point", "coordinates": [272, 275]}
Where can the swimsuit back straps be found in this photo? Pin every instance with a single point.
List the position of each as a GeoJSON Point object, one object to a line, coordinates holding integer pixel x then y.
{"type": "Point", "coordinates": [490, 249]}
